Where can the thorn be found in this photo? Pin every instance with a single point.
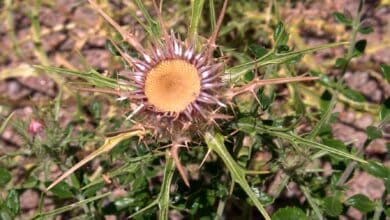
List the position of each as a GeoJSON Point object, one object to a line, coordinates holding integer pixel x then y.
{"type": "Point", "coordinates": [126, 36]}
{"type": "Point", "coordinates": [255, 84]}
{"type": "Point", "coordinates": [205, 158]}
{"type": "Point", "coordinates": [255, 96]}
{"type": "Point", "coordinates": [139, 108]}
{"type": "Point", "coordinates": [100, 90]}
{"type": "Point", "coordinates": [124, 55]}
{"type": "Point", "coordinates": [214, 35]}
{"type": "Point", "coordinates": [175, 155]}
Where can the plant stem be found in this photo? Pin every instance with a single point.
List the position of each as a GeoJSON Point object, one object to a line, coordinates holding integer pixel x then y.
{"type": "Point", "coordinates": [220, 209]}
{"type": "Point", "coordinates": [311, 201]}
{"type": "Point", "coordinates": [163, 198]}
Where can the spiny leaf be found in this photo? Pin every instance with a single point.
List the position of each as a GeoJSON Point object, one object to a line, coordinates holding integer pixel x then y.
{"type": "Point", "coordinates": [70, 207]}
{"type": "Point", "coordinates": [91, 76]}
{"type": "Point", "coordinates": [271, 58]}
{"type": "Point", "coordinates": [23, 70]}
{"type": "Point", "coordinates": [247, 124]}
{"type": "Point", "coordinates": [108, 145]}
{"type": "Point", "coordinates": [215, 142]}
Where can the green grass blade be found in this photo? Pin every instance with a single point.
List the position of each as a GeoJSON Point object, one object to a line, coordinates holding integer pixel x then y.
{"type": "Point", "coordinates": [197, 8]}
{"type": "Point", "coordinates": [153, 27]}
{"type": "Point", "coordinates": [5, 123]}
{"type": "Point", "coordinates": [274, 58]}
{"type": "Point", "coordinates": [215, 142]}
{"type": "Point", "coordinates": [213, 20]}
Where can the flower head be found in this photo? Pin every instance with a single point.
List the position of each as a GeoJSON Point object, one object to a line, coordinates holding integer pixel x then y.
{"type": "Point", "coordinates": [35, 127]}
{"type": "Point", "coordinates": [175, 82]}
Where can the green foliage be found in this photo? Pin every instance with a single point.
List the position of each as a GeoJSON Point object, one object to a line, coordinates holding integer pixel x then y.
{"type": "Point", "coordinates": [386, 72]}
{"type": "Point", "coordinates": [5, 176]}
{"type": "Point", "coordinates": [289, 213]}
{"type": "Point", "coordinates": [10, 208]}
{"type": "Point", "coordinates": [332, 206]}
{"type": "Point", "coordinates": [341, 18]}
{"type": "Point", "coordinates": [377, 169]}
{"type": "Point", "coordinates": [361, 202]}
{"type": "Point", "coordinates": [62, 190]}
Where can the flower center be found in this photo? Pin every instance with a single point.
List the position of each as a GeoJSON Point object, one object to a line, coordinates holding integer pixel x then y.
{"type": "Point", "coordinates": [172, 85]}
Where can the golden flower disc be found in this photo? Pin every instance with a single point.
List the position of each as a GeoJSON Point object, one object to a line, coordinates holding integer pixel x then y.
{"type": "Point", "coordinates": [172, 85]}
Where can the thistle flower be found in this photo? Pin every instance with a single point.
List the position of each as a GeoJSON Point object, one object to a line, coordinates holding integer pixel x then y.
{"type": "Point", "coordinates": [175, 85]}
{"type": "Point", "coordinates": [35, 127]}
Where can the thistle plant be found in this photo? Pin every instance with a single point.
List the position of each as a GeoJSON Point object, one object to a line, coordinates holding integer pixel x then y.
{"type": "Point", "coordinates": [177, 86]}
{"type": "Point", "coordinates": [182, 90]}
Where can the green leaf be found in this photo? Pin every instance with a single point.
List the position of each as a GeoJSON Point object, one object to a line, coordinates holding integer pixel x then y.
{"type": "Point", "coordinates": [384, 109]}
{"type": "Point", "coordinates": [353, 95]}
{"type": "Point", "coordinates": [361, 202]}
{"type": "Point", "coordinates": [341, 63]}
{"type": "Point", "coordinates": [387, 212]}
{"type": "Point", "coordinates": [257, 51]}
{"type": "Point", "coordinates": [342, 19]}
{"type": "Point", "coordinates": [386, 71]}
{"type": "Point", "coordinates": [289, 213]}
{"type": "Point", "coordinates": [376, 169]}
{"type": "Point", "coordinates": [5, 214]}
{"type": "Point", "coordinates": [12, 202]}
{"type": "Point", "coordinates": [332, 206]}
{"type": "Point", "coordinates": [373, 132]}
{"type": "Point", "coordinates": [111, 48]}
{"type": "Point", "coordinates": [359, 48]}
{"type": "Point", "coordinates": [31, 182]}
{"type": "Point", "coordinates": [280, 34]}
{"type": "Point", "coordinates": [90, 191]}
{"type": "Point", "coordinates": [365, 30]}
{"type": "Point", "coordinates": [96, 109]}
{"type": "Point", "coordinates": [5, 177]}
{"type": "Point", "coordinates": [62, 190]}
